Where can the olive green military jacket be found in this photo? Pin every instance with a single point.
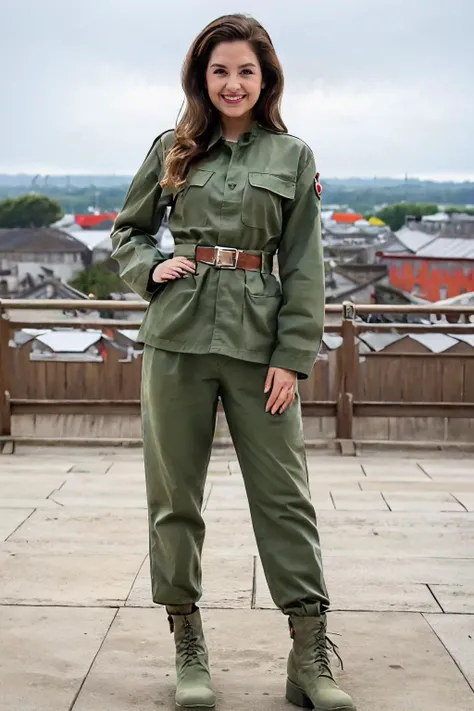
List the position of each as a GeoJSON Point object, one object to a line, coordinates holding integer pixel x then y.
{"type": "Point", "coordinates": [257, 195]}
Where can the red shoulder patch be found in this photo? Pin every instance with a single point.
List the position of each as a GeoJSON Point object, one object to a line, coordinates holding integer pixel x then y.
{"type": "Point", "coordinates": [317, 186]}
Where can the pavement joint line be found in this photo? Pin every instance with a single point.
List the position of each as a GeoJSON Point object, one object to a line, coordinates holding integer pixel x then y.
{"type": "Point", "coordinates": [385, 500]}
{"type": "Point", "coordinates": [58, 503]}
{"type": "Point", "coordinates": [448, 651]}
{"type": "Point", "coordinates": [206, 502]}
{"type": "Point", "coordinates": [459, 502]}
{"type": "Point", "coordinates": [81, 685]}
{"type": "Point", "coordinates": [20, 525]}
{"type": "Point", "coordinates": [253, 600]}
{"type": "Point", "coordinates": [135, 579]}
{"type": "Point", "coordinates": [424, 471]}
{"type": "Point", "coordinates": [363, 471]}
{"type": "Point", "coordinates": [75, 606]}
{"type": "Point", "coordinates": [332, 499]}
{"type": "Point", "coordinates": [56, 489]}
{"type": "Point", "coordinates": [213, 606]}
{"type": "Point", "coordinates": [443, 611]}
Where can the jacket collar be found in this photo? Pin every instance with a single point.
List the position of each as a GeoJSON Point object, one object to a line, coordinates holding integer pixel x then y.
{"type": "Point", "coordinates": [244, 140]}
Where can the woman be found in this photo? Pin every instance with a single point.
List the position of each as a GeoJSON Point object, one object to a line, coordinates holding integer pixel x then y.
{"type": "Point", "coordinates": [219, 325]}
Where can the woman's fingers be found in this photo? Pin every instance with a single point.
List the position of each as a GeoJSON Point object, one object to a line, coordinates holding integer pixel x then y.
{"type": "Point", "coordinates": [289, 400]}
{"type": "Point", "coordinates": [173, 269]}
{"type": "Point", "coordinates": [276, 389]}
{"type": "Point", "coordinates": [269, 380]}
{"type": "Point", "coordinates": [279, 402]}
{"type": "Point", "coordinates": [186, 264]}
{"type": "Point", "coordinates": [278, 397]}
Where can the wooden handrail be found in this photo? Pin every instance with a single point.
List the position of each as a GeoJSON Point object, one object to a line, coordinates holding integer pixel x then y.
{"type": "Point", "coordinates": [111, 305]}
{"type": "Point", "coordinates": [5, 416]}
{"type": "Point", "coordinates": [345, 408]}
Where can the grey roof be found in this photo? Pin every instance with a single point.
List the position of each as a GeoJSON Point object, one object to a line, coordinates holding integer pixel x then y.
{"type": "Point", "coordinates": [435, 342]}
{"type": "Point", "coordinates": [455, 248]}
{"type": "Point", "coordinates": [465, 338]}
{"type": "Point", "coordinates": [70, 341]}
{"type": "Point", "coordinates": [130, 333]}
{"type": "Point", "coordinates": [332, 341]}
{"type": "Point", "coordinates": [89, 238]}
{"type": "Point", "coordinates": [38, 239]}
{"type": "Point", "coordinates": [411, 240]}
{"type": "Point", "coordinates": [59, 289]}
{"type": "Point", "coordinates": [459, 300]}
{"type": "Point", "coordinates": [379, 341]}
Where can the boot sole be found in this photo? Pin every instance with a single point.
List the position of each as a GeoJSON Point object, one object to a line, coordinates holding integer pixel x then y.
{"type": "Point", "coordinates": [297, 696]}
{"type": "Point", "coordinates": [178, 707]}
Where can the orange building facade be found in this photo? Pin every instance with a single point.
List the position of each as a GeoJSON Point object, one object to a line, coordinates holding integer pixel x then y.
{"type": "Point", "coordinates": [434, 279]}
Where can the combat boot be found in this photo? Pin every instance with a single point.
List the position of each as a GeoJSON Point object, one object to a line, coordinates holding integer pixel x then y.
{"type": "Point", "coordinates": [310, 682]}
{"type": "Point", "coordinates": [193, 680]}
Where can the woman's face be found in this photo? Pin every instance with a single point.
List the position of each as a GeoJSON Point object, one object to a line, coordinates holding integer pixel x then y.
{"type": "Point", "coordinates": [234, 78]}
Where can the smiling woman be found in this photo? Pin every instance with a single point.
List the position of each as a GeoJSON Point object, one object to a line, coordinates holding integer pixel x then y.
{"type": "Point", "coordinates": [234, 84]}
{"type": "Point", "coordinates": [231, 75]}
{"type": "Point", "coordinates": [220, 325]}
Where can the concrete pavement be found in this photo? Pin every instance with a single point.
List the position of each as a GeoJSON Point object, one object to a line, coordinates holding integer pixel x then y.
{"type": "Point", "coordinates": [78, 631]}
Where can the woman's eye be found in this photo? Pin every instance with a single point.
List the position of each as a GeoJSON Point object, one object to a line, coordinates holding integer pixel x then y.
{"type": "Point", "coordinates": [247, 71]}
{"type": "Point", "coordinates": [219, 71]}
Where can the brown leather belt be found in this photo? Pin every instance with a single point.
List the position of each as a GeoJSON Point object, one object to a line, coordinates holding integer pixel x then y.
{"type": "Point", "coordinates": [229, 258]}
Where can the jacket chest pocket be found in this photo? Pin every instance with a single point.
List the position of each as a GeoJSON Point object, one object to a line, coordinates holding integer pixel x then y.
{"type": "Point", "coordinates": [262, 202]}
{"type": "Point", "coordinates": [191, 208]}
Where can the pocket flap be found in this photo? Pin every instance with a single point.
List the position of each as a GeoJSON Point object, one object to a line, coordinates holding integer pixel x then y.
{"type": "Point", "coordinates": [286, 187]}
{"type": "Point", "coordinates": [199, 177]}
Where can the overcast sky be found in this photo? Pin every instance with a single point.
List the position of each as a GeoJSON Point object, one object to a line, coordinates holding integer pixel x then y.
{"type": "Point", "coordinates": [376, 87]}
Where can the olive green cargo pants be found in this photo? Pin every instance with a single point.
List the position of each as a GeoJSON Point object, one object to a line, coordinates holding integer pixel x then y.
{"type": "Point", "coordinates": [180, 392]}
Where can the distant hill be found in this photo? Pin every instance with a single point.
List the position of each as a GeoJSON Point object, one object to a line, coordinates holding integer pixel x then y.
{"type": "Point", "coordinates": [63, 181]}
{"type": "Point", "coordinates": [77, 193]}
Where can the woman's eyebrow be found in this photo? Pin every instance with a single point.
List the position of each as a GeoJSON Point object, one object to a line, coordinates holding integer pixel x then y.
{"type": "Point", "coordinates": [242, 66]}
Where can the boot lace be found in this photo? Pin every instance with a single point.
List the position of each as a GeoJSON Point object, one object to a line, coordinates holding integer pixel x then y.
{"type": "Point", "coordinates": [323, 644]}
{"type": "Point", "coordinates": [190, 643]}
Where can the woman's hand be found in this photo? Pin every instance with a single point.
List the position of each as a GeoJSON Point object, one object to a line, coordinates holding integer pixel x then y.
{"type": "Point", "coordinates": [282, 384]}
{"type": "Point", "coordinates": [175, 268]}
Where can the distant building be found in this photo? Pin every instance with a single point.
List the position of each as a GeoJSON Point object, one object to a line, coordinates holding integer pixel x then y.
{"type": "Point", "coordinates": [29, 254]}
{"type": "Point", "coordinates": [456, 224]}
{"type": "Point", "coordinates": [353, 282]}
{"type": "Point", "coordinates": [432, 265]}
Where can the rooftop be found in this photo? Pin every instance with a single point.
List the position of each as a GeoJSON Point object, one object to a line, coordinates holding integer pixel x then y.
{"type": "Point", "coordinates": [78, 629]}
{"type": "Point", "coordinates": [430, 245]}
{"type": "Point", "coordinates": [38, 239]}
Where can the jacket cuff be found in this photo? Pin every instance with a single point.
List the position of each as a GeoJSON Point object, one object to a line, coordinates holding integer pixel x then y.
{"type": "Point", "coordinates": [301, 362]}
{"type": "Point", "coordinates": [144, 285]}
{"type": "Point", "coordinates": [153, 286]}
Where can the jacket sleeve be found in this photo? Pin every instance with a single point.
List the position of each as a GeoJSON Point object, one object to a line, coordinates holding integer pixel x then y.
{"type": "Point", "coordinates": [301, 267]}
{"type": "Point", "coordinates": [133, 236]}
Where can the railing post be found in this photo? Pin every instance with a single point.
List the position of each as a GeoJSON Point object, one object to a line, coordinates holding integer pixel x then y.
{"type": "Point", "coordinates": [348, 364]}
{"type": "Point", "coordinates": [5, 415]}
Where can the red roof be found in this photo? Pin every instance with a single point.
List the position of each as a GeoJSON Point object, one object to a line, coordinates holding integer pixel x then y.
{"type": "Point", "coordinates": [346, 218]}
{"type": "Point", "coordinates": [94, 220]}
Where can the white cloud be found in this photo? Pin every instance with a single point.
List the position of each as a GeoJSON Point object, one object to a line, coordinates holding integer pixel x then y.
{"type": "Point", "coordinates": [375, 88]}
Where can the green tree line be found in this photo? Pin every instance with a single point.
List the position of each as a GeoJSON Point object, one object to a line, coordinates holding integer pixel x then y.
{"type": "Point", "coordinates": [29, 211]}
{"type": "Point", "coordinates": [360, 195]}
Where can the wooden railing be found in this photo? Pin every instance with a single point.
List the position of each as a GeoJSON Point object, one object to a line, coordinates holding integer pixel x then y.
{"type": "Point", "coordinates": [346, 385]}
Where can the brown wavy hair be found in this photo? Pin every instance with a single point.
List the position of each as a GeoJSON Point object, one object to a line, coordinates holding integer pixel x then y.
{"type": "Point", "coordinates": [200, 117]}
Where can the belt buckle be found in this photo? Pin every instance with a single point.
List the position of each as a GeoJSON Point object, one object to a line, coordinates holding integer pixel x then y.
{"type": "Point", "coordinates": [226, 257]}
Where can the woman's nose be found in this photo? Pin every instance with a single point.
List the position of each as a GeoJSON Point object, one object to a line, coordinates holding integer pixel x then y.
{"type": "Point", "coordinates": [233, 84]}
